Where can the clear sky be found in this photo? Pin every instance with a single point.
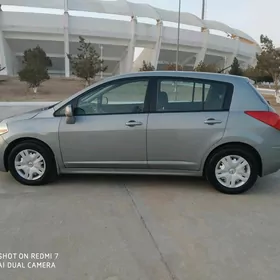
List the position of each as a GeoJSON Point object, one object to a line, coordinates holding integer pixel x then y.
{"type": "Point", "coordinates": [254, 17]}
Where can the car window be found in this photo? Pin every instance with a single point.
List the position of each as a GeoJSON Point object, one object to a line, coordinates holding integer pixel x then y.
{"type": "Point", "coordinates": [117, 98]}
{"type": "Point", "coordinates": [61, 111]}
{"type": "Point", "coordinates": [214, 99]}
{"type": "Point", "coordinates": [190, 95]}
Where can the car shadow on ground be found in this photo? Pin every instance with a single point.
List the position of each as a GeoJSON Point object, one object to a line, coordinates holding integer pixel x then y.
{"type": "Point", "coordinates": [266, 185]}
{"type": "Point", "coordinates": [133, 180]}
{"type": "Point", "coordinates": [269, 185]}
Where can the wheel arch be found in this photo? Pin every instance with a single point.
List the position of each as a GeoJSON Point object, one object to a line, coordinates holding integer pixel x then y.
{"type": "Point", "coordinates": [21, 140]}
{"type": "Point", "coordinates": [237, 145]}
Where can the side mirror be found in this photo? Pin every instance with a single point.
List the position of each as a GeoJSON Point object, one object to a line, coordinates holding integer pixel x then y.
{"type": "Point", "coordinates": [268, 102]}
{"type": "Point", "coordinates": [70, 119]}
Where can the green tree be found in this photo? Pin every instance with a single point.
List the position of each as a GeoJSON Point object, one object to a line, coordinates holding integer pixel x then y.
{"type": "Point", "coordinates": [146, 66]}
{"type": "Point", "coordinates": [35, 67]}
{"type": "Point", "coordinates": [87, 63]}
{"type": "Point", "coordinates": [235, 68]}
{"type": "Point", "coordinates": [203, 67]}
{"type": "Point", "coordinates": [172, 67]}
{"type": "Point", "coordinates": [252, 73]}
{"type": "Point", "coordinates": [268, 61]}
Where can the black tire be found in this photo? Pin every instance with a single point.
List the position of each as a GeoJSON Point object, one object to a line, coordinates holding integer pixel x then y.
{"type": "Point", "coordinates": [50, 173]}
{"type": "Point", "coordinates": [226, 151]}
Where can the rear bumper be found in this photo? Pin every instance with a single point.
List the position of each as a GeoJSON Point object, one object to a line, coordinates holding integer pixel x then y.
{"type": "Point", "coordinates": [270, 160]}
{"type": "Point", "coordinates": [3, 147]}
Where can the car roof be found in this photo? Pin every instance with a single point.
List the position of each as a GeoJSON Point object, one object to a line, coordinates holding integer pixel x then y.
{"type": "Point", "coordinates": [185, 74]}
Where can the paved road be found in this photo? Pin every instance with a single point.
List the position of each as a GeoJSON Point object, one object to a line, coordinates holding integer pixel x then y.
{"type": "Point", "coordinates": [265, 91]}
{"type": "Point", "coordinates": [146, 228]}
{"type": "Point", "coordinates": [8, 109]}
{"type": "Point", "coordinates": [129, 227]}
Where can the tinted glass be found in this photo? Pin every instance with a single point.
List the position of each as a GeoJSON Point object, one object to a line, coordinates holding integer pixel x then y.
{"type": "Point", "coordinates": [215, 96]}
{"type": "Point", "coordinates": [190, 95]}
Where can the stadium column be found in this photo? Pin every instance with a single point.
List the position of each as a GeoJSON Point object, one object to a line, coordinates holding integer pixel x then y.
{"type": "Point", "coordinates": [201, 54]}
{"type": "Point", "coordinates": [131, 45]}
{"type": "Point", "coordinates": [230, 58]}
{"type": "Point", "coordinates": [5, 54]}
{"type": "Point", "coordinates": [157, 48]}
{"type": "Point", "coordinates": [122, 63]}
{"type": "Point", "coordinates": [66, 39]}
{"type": "Point", "coordinates": [253, 61]}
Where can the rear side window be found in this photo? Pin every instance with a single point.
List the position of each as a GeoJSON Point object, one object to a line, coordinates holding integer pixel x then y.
{"type": "Point", "coordinates": [215, 96]}
{"type": "Point", "coordinates": [184, 95]}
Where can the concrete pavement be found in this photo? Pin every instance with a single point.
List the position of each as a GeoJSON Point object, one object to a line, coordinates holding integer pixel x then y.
{"type": "Point", "coordinates": [130, 227]}
{"type": "Point", "coordinates": [91, 225]}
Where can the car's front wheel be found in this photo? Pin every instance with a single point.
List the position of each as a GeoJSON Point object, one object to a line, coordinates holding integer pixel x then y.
{"type": "Point", "coordinates": [232, 170]}
{"type": "Point", "coordinates": [31, 163]}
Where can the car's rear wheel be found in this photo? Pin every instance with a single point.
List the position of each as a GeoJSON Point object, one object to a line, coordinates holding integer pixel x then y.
{"type": "Point", "coordinates": [31, 163]}
{"type": "Point", "coordinates": [232, 170]}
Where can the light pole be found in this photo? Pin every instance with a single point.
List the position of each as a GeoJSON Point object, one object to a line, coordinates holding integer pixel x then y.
{"type": "Point", "coordinates": [101, 57]}
{"type": "Point", "coordinates": [178, 35]}
{"type": "Point", "coordinates": [203, 10]}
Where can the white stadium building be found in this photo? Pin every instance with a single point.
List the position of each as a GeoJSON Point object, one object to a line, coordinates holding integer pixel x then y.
{"type": "Point", "coordinates": [58, 33]}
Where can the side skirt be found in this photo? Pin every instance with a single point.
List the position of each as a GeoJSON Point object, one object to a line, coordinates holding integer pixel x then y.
{"type": "Point", "coordinates": [130, 171]}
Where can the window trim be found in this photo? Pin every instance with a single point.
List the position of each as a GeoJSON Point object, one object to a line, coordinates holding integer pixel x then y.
{"type": "Point", "coordinates": [147, 102]}
{"type": "Point", "coordinates": [158, 79]}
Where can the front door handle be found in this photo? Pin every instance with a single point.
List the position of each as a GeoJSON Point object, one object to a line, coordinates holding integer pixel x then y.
{"type": "Point", "coordinates": [133, 123]}
{"type": "Point", "coordinates": [212, 121]}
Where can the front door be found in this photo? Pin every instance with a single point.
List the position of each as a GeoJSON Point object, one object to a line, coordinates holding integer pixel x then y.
{"type": "Point", "coordinates": [110, 127]}
{"type": "Point", "coordinates": [188, 118]}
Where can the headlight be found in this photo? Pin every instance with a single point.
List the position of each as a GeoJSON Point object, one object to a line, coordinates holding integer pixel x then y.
{"type": "Point", "coordinates": [3, 128]}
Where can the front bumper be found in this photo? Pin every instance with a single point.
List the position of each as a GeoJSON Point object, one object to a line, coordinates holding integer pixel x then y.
{"type": "Point", "coordinates": [3, 147]}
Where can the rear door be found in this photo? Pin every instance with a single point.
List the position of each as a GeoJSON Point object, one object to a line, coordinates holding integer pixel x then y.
{"type": "Point", "coordinates": [187, 117]}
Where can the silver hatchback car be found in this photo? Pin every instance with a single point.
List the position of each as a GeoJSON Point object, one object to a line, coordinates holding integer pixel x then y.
{"type": "Point", "coordinates": [161, 123]}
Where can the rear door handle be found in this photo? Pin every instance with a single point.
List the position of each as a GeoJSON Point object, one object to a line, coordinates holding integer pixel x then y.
{"type": "Point", "coordinates": [133, 123]}
{"type": "Point", "coordinates": [212, 121]}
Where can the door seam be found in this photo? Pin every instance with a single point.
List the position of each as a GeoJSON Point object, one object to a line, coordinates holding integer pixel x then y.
{"type": "Point", "coordinates": [147, 123]}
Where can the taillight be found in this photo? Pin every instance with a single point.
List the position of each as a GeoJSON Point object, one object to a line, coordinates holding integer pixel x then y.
{"type": "Point", "coordinates": [269, 118]}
